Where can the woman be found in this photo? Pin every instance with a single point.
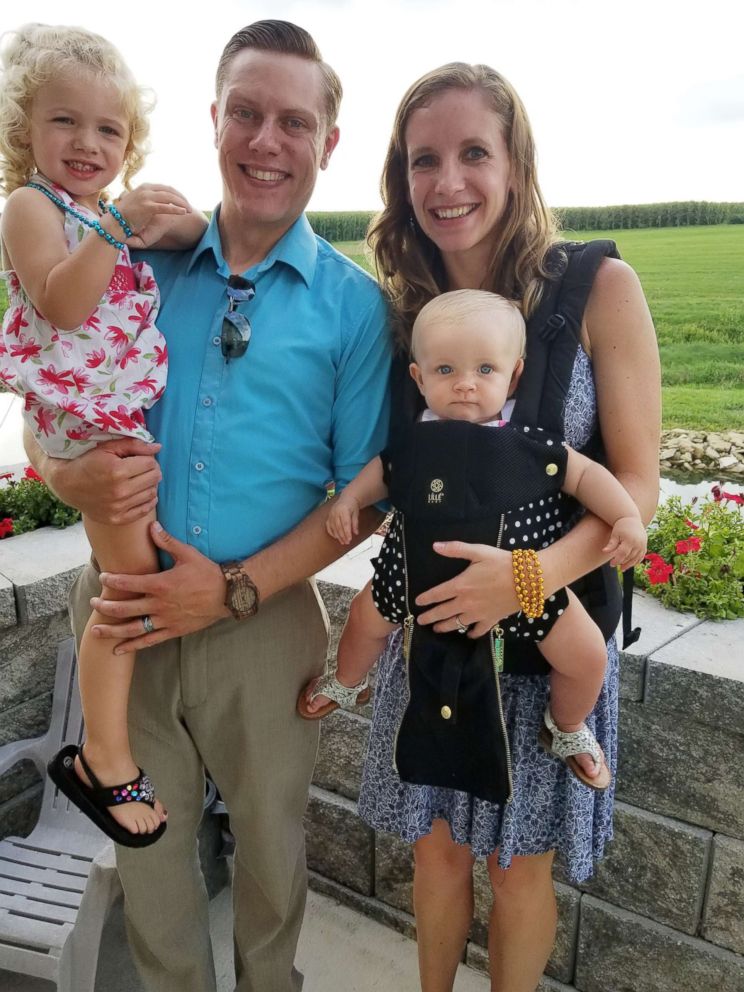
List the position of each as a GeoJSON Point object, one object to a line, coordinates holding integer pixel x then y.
{"type": "Point", "coordinates": [463, 209]}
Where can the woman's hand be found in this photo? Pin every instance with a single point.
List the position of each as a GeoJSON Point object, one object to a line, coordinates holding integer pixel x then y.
{"type": "Point", "coordinates": [477, 598]}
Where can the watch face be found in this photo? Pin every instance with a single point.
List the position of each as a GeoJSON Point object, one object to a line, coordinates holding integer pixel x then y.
{"type": "Point", "coordinates": [244, 594]}
{"type": "Point", "coordinates": [241, 593]}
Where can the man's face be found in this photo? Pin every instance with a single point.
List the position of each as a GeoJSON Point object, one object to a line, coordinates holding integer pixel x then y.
{"type": "Point", "coordinates": [272, 137]}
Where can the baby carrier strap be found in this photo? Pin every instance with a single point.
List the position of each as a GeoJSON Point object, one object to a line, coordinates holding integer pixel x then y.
{"type": "Point", "coordinates": [553, 336]}
{"type": "Point", "coordinates": [554, 330]}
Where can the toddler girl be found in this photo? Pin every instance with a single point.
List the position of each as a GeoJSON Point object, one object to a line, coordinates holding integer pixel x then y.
{"type": "Point", "coordinates": [468, 349]}
{"type": "Point", "coordinates": [79, 342]}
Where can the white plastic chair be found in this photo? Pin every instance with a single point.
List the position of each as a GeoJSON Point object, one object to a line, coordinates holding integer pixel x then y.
{"type": "Point", "coordinates": [56, 885]}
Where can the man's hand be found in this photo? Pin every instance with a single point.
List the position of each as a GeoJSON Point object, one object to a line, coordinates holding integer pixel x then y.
{"type": "Point", "coordinates": [186, 598]}
{"type": "Point", "coordinates": [114, 483]}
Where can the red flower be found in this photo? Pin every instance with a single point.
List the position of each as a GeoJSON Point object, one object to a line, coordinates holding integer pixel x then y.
{"type": "Point", "coordinates": [95, 358]}
{"type": "Point", "coordinates": [118, 337]}
{"type": "Point", "coordinates": [123, 416]}
{"type": "Point", "coordinates": [691, 525]}
{"type": "Point", "coordinates": [716, 491]}
{"type": "Point", "coordinates": [161, 354]}
{"type": "Point", "coordinates": [6, 527]}
{"type": "Point", "coordinates": [658, 571]}
{"type": "Point", "coordinates": [141, 315]}
{"type": "Point", "coordinates": [44, 421]}
{"type": "Point", "coordinates": [72, 406]}
{"type": "Point", "coordinates": [103, 420]}
{"type": "Point", "coordinates": [92, 323]}
{"type": "Point", "coordinates": [148, 384]}
{"type": "Point", "coordinates": [28, 349]}
{"type": "Point", "coordinates": [685, 547]}
{"type": "Point", "coordinates": [130, 355]}
{"type": "Point", "coordinates": [658, 574]}
{"type": "Point", "coordinates": [60, 382]}
{"type": "Point", "coordinates": [31, 473]}
{"type": "Point", "coordinates": [16, 322]}
{"type": "Point", "coordinates": [6, 475]}
{"type": "Point", "coordinates": [737, 498]}
{"type": "Point", "coordinates": [81, 379]}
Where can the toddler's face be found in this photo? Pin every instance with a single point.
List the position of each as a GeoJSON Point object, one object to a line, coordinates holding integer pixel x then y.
{"type": "Point", "coordinates": [79, 134]}
{"type": "Point", "coordinates": [466, 371]}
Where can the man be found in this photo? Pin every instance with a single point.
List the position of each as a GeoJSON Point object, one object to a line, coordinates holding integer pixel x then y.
{"type": "Point", "coordinates": [248, 444]}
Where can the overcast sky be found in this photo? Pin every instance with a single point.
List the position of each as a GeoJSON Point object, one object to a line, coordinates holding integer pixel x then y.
{"type": "Point", "coordinates": [631, 101]}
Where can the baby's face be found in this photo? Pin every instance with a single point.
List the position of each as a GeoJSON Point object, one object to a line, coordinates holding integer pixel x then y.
{"type": "Point", "coordinates": [466, 371]}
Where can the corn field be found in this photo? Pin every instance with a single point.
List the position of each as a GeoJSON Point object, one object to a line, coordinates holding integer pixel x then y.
{"type": "Point", "coordinates": [351, 225]}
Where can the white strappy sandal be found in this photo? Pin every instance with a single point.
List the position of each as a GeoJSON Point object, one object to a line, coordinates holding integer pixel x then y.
{"type": "Point", "coordinates": [567, 745]}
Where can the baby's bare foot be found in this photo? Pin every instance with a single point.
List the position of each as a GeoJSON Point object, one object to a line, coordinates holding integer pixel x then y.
{"type": "Point", "coordinates": [136, 817]}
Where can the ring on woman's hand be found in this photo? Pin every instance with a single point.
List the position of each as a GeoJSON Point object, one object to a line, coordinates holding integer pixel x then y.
{"type": "Point", "coordinates": [148, 624]}
{"type": "Point", "coordinates": [461, 627]}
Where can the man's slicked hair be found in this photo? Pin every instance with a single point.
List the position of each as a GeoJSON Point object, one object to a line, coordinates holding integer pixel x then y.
{"type": "Point", "coordinates": [284, 38]}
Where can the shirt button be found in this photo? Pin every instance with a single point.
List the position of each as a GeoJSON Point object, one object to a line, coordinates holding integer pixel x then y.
{"type": "Point", "coordinates": [446, 712]}
{"type": "Point", "coordinates": [196, 530]}
{"type": "Point", "coordinates": [207, 401]}
{"type": "Point", "coordinates": [215, 340]}
{"type": "Point", "coordinates": [199, 466]}
{"type": "Point", "coordinates": [551, 469]}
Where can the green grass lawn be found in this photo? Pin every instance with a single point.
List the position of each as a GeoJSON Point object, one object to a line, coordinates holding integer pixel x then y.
{"type": "Point", "coordinates": [694, 281]}
{"type": "Point", "coordinates": [693, 278]}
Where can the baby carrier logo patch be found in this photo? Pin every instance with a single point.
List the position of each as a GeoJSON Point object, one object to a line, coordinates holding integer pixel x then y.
{"type": "Point", "coordinates": [437, 491]}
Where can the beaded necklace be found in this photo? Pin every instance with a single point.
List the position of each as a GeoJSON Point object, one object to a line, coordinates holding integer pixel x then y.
{"type": "Point", "coordinates": [93, 224]}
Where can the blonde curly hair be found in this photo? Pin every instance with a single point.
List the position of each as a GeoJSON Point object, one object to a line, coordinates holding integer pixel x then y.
{"type": "Point", "coordinates": [33, 56]}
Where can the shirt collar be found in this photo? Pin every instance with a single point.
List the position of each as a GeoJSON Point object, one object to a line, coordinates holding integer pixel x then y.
{"type": "Point", "coordinates": [298, 248]}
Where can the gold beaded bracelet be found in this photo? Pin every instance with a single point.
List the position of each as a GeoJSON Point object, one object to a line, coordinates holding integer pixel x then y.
{"type": "Point", "coordinates": [528, 582]}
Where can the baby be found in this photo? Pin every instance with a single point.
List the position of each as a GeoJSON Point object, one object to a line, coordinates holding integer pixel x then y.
{"type": "Point", "coordinates": [468, 349]}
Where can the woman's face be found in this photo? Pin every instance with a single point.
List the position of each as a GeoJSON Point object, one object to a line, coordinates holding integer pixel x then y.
{"type": "Point", "coordinates": [459, 174]}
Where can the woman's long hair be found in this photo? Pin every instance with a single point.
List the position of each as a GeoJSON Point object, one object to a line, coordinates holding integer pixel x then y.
{"type": "Point", "coordinates": [409, 265]}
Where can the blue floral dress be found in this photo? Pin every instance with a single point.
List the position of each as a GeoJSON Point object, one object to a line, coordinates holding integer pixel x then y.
{"type": "Point", "coordinates": [551, 809]}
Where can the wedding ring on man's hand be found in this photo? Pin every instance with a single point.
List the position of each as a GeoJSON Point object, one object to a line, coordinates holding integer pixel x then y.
{"type": "Point", "coordinates": [148, 624]}
{"type": "Point", "coordinates": [461, 627]}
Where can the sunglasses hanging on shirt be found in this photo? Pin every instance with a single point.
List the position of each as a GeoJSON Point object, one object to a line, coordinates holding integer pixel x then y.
{"type": "Point", "coordinates": [236, 328]}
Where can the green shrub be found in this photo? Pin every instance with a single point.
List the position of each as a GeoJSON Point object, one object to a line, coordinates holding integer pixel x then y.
{"type": "Point", "coordinates": [695, 559]}
{"type": "Point", "coordinates": [28, 504]}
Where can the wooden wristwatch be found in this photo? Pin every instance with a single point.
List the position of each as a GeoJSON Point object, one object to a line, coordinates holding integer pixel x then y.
{"type": "Point", "coordinates": [241, 594]}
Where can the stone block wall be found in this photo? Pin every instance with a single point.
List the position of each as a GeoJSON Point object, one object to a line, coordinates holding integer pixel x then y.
{"type": "Point", "coordinates": [665, 908]}
{"type": "Point", "coordinates": [36, 572]}
{"type": "Point", "coordinates": [664, 911]}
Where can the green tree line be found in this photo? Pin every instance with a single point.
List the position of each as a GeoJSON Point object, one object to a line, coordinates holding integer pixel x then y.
{"type": "Point", "coordinates": [351, 225]}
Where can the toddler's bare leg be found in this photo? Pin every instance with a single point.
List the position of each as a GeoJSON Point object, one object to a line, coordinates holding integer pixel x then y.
{"type": "Point", "coordinates": [577, 655]}
{"type": "Point", "coordinates": [361, 644]}
{"type": "Point", "coordinates": [105, 678]}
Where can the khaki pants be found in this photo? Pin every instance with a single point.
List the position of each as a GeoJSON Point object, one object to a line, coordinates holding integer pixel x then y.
{"type": "Point", "coordinates": [223, 699]}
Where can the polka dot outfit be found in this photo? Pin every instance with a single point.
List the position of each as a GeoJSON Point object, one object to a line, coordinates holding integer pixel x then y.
{"type": "Point", "coordinates": [551, 808]}
{"type": "Point", "coordinates": [533, 525]}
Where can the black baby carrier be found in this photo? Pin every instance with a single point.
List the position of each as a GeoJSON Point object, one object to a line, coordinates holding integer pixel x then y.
{"type": "Point", "coordinates": [452, 480]}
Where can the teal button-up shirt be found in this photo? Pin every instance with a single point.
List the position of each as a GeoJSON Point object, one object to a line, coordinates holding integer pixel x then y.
{"type": "Point", "coordinates": [250, 446]}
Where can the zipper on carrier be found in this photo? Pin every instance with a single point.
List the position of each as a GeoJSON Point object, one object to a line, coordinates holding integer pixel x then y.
{"type": "Point", "coordinates": [409, 624]}
{"type": "Point", "coordinates": [496, 643]}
